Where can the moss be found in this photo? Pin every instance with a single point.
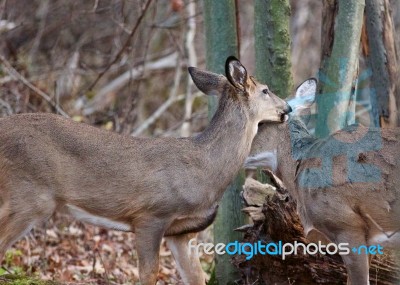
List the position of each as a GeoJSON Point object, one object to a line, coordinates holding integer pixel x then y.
{"type": "Point", "coordinates": [221, 39]}
{"type": "Point", "coordinates": [21, 279]}
{"type": "Point", "coordinates": [272, 45]}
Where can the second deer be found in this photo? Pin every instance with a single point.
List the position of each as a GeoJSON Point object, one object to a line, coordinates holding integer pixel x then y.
{"type": "Point", "coordinates": [347, 186]}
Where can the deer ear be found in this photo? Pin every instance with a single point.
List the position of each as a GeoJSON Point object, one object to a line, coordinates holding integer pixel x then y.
{"type": "Point", "coordinates": [236, 73]}
{"type": "Point", "coordinates": [304, 97]}
{"type": "Point", "coordinates": [307, 89]}
{"type": "Point", "coordinates": [209, 83]}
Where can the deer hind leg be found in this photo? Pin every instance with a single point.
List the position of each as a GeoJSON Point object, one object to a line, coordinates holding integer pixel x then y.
{"type": "Point", "coordinates": [187, 258]}
{"type": "Point", "coordinates": [18, 215]}
{"type": "Point", "coordinates": [12, 228]}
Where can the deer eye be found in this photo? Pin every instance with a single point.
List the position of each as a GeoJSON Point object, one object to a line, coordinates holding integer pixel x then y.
{"type": "Point", "coordinates": [265, 91]}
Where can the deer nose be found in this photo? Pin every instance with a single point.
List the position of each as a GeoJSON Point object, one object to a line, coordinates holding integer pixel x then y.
{"type": "Point", "coordinates": [287, 109]}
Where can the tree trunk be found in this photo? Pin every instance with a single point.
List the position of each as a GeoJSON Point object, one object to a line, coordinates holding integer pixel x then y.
{"type": "Point", "coordinates": [221, 38]}
{"type": "Point", "coordinates": [341, 33]}
{"type": "Point", "coordinates": [222, 41]}
{"type": "Point", "coordinates": [380, 51]}
{"type": "Point", "coordinates": [272, 45]}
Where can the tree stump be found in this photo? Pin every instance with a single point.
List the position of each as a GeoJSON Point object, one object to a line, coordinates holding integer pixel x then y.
{"type": "Point", "coordinates": [276, 220]}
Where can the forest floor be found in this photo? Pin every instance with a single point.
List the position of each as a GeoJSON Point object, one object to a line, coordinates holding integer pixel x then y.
{"type": "Point", "coordinates": [69, 252]}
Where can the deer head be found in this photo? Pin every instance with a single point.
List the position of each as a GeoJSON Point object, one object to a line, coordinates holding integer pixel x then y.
{"type": "Point", "coordinates": [262, 104]}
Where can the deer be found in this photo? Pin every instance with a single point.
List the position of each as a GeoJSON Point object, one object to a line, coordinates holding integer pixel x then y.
{"type": "Point", "coordinates": [154, 187]}
{"type": "Point", "coordinates": [346, 185]}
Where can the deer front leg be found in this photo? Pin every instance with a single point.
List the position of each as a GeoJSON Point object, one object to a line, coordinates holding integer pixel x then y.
{"type": "Point", "coordinates": [357, 269]}
{"type": "Point", "coordinates": [148, 240]}
{"type": "Point", "coordinates": [187, 258]}
{"type": "Point", "coordinates": [357, 265]}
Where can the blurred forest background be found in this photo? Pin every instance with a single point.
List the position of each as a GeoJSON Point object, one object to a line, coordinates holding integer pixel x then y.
{"type": "Point", "coordinates": [62, 47]}
{"type": "Point", "coordinates": [120, 65]}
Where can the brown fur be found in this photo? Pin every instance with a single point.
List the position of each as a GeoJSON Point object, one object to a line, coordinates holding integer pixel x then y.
{"type": "Point", "coordinates": [344, 212]}
{"type": "Point", "coordinates": [156, 187]}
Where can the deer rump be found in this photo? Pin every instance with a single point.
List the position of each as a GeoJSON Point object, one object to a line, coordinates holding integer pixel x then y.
{"type": "Point", "coordinates": [357, 192]}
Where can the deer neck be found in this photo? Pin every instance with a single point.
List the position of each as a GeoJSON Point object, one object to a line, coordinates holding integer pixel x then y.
{"type": "Point", "coordinates": [227, 141]}
{"type": "Point", "coordinates": [293, 144]}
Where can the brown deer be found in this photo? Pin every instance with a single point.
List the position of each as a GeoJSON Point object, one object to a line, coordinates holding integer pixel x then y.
{"type": "Point", "coordinates": [345, 185]}
{"type": "Point", "coordinates": [164, 187]}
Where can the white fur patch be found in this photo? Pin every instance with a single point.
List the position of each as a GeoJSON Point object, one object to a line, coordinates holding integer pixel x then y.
{"type": "Point", "coordinates": [392, 241]}
{"type": "Point", "coordinates": [265, 159]}
{"type": "Point", "coordinates": [84, 216]}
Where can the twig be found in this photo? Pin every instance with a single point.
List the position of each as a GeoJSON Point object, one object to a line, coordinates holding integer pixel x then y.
{"type": "Point", "coordinates": [94, 265]}
{"type": "Point", "coordinates": [6, 79]}
{"type": "Point", "coordinates": [96, 4]}
{"type": "Point", "coordinates": [121, 51]}
{"type": "Point", "coordinates": [6, 106]}
{"type": "Point", "coordinates": [44, 8]}
{"type": "Point", "coordinates": [105, 269]}
{"type": "Point", "coordinates": [168, 61]}
{"type": "Point", "coordinates": [18, 76]}
{"type": "Point", "coordinates": [171, 131]}
{"type": "Point", "coordinates": [129, 114]}
{"type": "Point", "coordinates": [150, 120]}
{"type": "Point", "coordinates": [171, 99]}
{"type": "Point", "coordinates": [191, 51]}
{"type": "Point", "coordinates": [44, 263]}
{"type": "Point", "coordinates": [4, 268]}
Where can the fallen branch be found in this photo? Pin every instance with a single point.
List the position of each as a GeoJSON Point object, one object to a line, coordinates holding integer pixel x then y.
{"type": "Point", "coordinates": [18, 76]}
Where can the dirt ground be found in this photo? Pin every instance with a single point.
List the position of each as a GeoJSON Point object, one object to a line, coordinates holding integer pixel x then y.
{"type": "Point", "coordinates": [71, 252]}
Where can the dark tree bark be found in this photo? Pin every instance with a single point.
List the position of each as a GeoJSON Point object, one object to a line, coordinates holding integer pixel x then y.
{"type": "Point", "coordinates": [272, 45]}
{"type": "Point", "coordinates": [221, 41]}
{"type": "Point", "coordinates": [381, 54]}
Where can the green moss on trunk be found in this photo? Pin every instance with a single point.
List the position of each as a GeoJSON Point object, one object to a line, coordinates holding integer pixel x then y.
{"type": "Point", "coordinates": [272, 45]}
{"type": "Point", "coordinates": [221, 42]}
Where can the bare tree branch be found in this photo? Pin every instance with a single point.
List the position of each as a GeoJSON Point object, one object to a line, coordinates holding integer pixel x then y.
{"type": "Point", "coordinates": [126, 44]}
{"type": "Point", "coordinates": [6, 106]}
{"type": "Point", "coordinates": [150, 120]}
{"type": "Point", "coordinates": [44, 8]}
{"type": "Point", "coordinates": [15, 74]}
{"type": "Point", "coordinates": [189, 45]}
{"type": "Point", "coordinates": [168, 61]}
{"type": "Point", "coordinates": [171, 99]}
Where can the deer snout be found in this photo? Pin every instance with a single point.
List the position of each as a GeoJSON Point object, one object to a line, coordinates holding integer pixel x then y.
{"type": "Point", "coordinates": [287, 109]}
